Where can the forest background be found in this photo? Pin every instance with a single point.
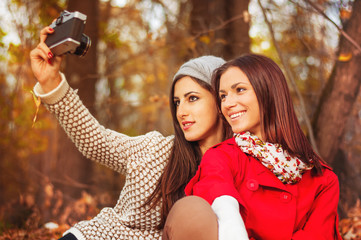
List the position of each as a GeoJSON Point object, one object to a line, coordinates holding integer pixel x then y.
{"type": "Point", "coordinates": [137, 45]}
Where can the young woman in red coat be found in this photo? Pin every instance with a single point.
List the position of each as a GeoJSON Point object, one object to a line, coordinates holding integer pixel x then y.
{"type": "Point", "coordinates": [267, 175]}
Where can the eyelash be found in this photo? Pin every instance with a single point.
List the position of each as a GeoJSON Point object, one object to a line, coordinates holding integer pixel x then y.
{"type": "Point", "coordinates": [193, 98]}
{"type": "Point", "coordinates": [190, 98]}
{"type": "Point", "coordinates": [240, 89]}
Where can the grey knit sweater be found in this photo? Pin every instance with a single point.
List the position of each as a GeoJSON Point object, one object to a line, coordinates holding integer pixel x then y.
{"type": "Point", "coordinates": [141, 159]}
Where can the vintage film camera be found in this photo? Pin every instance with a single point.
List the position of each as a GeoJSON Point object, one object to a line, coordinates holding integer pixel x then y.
{"type": "Point", "coordinates": [68, 34]}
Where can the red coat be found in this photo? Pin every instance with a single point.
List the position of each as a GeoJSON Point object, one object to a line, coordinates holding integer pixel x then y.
{"type": "Point", "coordinates": [270, 209]}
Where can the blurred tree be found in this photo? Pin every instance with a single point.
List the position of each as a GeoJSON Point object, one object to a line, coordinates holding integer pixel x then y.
{"type": "Point", "coordinates": [21, 144]}
{"type": "Point", "coordinates": [335, 108]}
{"type": "Point", "coordinates": [322, 65]}
{"type": "Point", "coordinates": [220, 27]}
{"type": "Point", "coordinates": [81, 74]}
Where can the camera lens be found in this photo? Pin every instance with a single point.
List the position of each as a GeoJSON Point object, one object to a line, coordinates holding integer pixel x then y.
{"type": "Point", "coordinates": [84, 46]}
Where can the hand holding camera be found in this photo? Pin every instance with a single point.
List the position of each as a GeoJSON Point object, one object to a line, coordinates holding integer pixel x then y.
{"type": "Point", "coordinates": [64, 35]}
{"type": "Point", "coordinates": [68, 35]}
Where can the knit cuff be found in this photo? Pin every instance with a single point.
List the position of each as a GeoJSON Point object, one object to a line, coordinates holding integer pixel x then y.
{"type": "Point", "coordinates": [54, 95]}
{"type": "Point", "coordinates": [79, 235]}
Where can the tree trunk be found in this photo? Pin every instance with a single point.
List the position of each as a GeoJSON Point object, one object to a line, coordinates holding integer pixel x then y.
{"type": "Point", "coordinates": [237, 32]}
{"type": "Point", "coordinates": [334, 109]}
{"type": "Point", "coordinates": [225, 23]}
{"type": "Point", "coordinates": [340, 93]}
{"type": "Point", "coordinates": [81, 74]}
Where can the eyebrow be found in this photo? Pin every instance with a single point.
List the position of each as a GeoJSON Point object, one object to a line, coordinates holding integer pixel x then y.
{"type": "Point", "coordinates": [234, 86]}
{"type": "Point", "coordinates": [187, 94]}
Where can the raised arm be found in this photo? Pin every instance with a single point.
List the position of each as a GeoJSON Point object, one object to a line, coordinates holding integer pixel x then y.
{"type": "Point", "coordinates": [105, 146]}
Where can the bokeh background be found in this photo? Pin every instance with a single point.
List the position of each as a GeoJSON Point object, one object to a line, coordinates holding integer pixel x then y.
{"type": "Point", "coordinates": [137, 46]}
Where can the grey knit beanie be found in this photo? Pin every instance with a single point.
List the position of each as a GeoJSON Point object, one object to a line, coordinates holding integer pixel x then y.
{"type": "Point", "coordinates": [200, 68]}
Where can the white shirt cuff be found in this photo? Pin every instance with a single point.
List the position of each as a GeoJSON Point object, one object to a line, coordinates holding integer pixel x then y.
{"type": "Point", "coordinates": [54, 95]}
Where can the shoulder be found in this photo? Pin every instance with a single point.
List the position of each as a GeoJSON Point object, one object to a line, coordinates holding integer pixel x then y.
{"type": "Point", "coordinates": [327, 178]}
{"type": "Point", "coordinates": [153, 143]}
{"type": "Point", "coordinates": [328, 171]}
{"type": "Point", "coordinates": [227, 150]}
{"type": "Point", "coordinates": [329, 175]}
{"type": "Point", "coordinates": [155, 137]}
{"type": "Point", "coordinates": [228, 147]}
{"type": "Point", "coordinates": [158, 135]}
{"type": "Point", "coordinates": [225, 145]}
{"type": "Point", "coordinates": [159, 140]}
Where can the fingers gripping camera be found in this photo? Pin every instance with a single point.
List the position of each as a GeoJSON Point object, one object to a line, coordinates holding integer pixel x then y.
{"type": "Point", "coordinates": [68, 34]}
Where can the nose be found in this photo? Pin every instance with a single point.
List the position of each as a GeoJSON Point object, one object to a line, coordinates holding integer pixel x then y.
{"type": "Point", "coordinates": [229, 101]}
{"type": "Point", "coordinates": [182, 110]}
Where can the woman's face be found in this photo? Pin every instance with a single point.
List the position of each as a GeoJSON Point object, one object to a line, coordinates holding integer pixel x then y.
{"type": "Point", "coordinates": [239, 102]}
{"type": "Point", "coordinates": [196, 112]}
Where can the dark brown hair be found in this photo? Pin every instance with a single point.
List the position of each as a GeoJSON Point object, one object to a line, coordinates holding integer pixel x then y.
{"type": "Point", "coordinates": [278, 120]}
{"type": "Point", "coordinates": [183, 161]}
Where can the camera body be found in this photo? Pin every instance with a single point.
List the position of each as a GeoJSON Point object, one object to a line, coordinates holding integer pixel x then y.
{"type": "Point", "coordinates": [68, 34]}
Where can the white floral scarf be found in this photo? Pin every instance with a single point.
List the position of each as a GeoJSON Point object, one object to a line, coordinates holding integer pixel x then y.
{"type": "Point", "coordinates": [288, 169]}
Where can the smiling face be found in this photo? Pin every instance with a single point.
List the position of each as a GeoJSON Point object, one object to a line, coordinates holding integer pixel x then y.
{"type": "Point", "coordinates": [197, 113]}
{"type": "Point", "coordinates": [239, 102]}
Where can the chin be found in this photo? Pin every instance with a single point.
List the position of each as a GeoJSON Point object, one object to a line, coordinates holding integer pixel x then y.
{"type": "Point", "coordinates": [236, 130]}
{"type": "Point", "coordinates": [191, 138]}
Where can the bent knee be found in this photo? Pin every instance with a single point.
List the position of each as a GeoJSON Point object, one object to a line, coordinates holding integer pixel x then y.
{"type": "Point", "coordinates": [192, 206]}
{"type": "Point", "coordinates": [191, 216]}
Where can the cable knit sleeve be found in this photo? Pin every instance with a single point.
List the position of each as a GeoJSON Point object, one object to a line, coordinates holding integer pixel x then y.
{"type": "Point", "coordinates": [110, 148]}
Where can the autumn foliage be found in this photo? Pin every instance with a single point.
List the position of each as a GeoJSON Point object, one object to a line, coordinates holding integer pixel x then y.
{"type": "Point", "coordinates": [64, 216]}
{"type": "Point", "coordinates": [139, 45]}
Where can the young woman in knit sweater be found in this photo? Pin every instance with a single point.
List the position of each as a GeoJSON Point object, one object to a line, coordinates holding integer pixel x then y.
{"type": "Point", "coordinates": [157, 168]}
{"type": "Point", "coordinates": [267, 173]}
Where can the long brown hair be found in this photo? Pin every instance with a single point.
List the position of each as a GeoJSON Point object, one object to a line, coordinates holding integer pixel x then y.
{"type": "Point", "coordinates": [183, 161]}
{"type": "Point", "coordinates": [278, 120]}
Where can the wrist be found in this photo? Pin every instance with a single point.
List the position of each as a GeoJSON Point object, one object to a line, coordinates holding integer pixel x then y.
{"type": "Point", "coordinates": [50, 85]}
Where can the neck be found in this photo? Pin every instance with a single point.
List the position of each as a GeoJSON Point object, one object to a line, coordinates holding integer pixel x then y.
{"type": "Point", "coordinates": [214, 138]}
